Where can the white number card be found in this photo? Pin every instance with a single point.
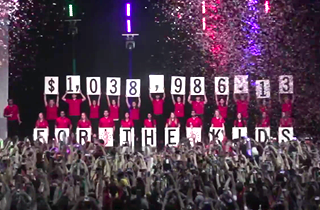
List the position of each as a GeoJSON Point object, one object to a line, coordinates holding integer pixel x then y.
{"type": "Point", "coordinates": [197, 86]}
{"type": "Point", "coordinates": [286, 84]}
{"type": "Point", "coordinates": [41, 134]}
{"type": "Point", "coordinates": [133, 88]}
{"type": "Point", "coordinates": [93, 86]}
{"type": "Point", "coordinates": [106, 134]}
{"type": "Point", "coordinates": [156, 83]}
{"type": "Point", "coordinates": [241, 84]}
{"type": "Point", "coordinates": [263, 88]}
{"type": "Point", "coordinates": [178, 85]}
{"type": "Point", "coordinates": [51, 85]}
{"type": "Point", "coordinates": [113, 86]}
{"type": "Point", "coordinates": [221, 85]}
{"type": "Point", "coordinates": [73, 84]}
{"type": "Point", "coordinates": [285, 134]}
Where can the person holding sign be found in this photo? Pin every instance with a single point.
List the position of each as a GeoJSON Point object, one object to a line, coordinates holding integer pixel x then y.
{"type": "Point", "coordinates": [127, 122]}
{"type": "Point", "coordinates": [114, 108]}
{"type": "Point", "coordinates": [106, 121]}
{"type": "Point", "coordinates": [179, 109]}
{"type": "Point", "coordinates": [286, 120]}
{"type": "Point", "coordinates": [239, 122]}
{"type": "Point", "coordinates": [173, 121]}
{"type": "Point", "coordinates": [198, 104]}
{"type": "Point", "coordinates": [51, 113]}
{"type": "Point", "coordinates": [217, 120]}
{"type": "Point", "coordinates": [63, 121]}
{"type": "Point", "coordinates": [222, 105]}
{"type": "Point", "coordinates": [41, 122]}
{"type": "Point", "coordinates": [74, 108]}
{"type": "Point", "coordinates": [11, 112]}
{"type": "Point", "coordinates": [264, 122]}
{"type": "Point", "coordinates": [286, 103]}
{"type": "Point", "coordinates": [194, 121]}
{"type": "Point", "coordinates": [135, 114]}
{"type": "Point", "coordinates": [150, 122]}
{"type": "Point", "coordinates": [242, 104]}
{"type": "Point", "coordinates": [264, 106]}
{"type": "Point", "coordinates": [84, 122]}
{"type": "Point", "coordinates": [157, 104]}
{"type": "Point", "coordinates": [94, 113]}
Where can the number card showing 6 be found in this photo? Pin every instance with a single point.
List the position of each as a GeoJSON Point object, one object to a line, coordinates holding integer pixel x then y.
{"type": "Point", "coordinates": [113, 86]}
{"type": "Point", "coordinates": [178, 85]}
{"type": "Point", "coordinates": [133, 88]}
{"type": "Point", "coordinates": [221, 85]}
{"type": "Point", "coordinates": [263, 88]}
{"type": "Point", "coordinates": [286, 84]}
{"type": "Point", "coordinates": [197, 85]}
{"type": "Point", "coordinates": [93, 86]}
{"type": "Point", "coordinates": [73, 84]}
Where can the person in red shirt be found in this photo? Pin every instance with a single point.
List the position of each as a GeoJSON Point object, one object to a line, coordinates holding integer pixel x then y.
{"type": "Point", "coordinates": [173, 121]}
{"type": "Point", "coordinates": [194, 121]}
{"type": "Point", "coordinates": [286, 120]}
{"type": "Point", "coordinates": [51, 113]}
{"type": "Point", "coordinates": [264, 122]}
{"type": "Point", "coordinates": [264, 106]}
{"type": "Point", "coordinates": [74, 108]}
{"type": "Point", "coordinates": [106, 121]}
{"type": "Point", "coordinates": [198, 105]}
{"type": "Point", "coordinates": [239, 122]}
{"type": "Point", "coordinates": [11, 112]}
{"type": "Point", "coordinates": [84, 122]}
{"type": "Point", "coordinates": [222, 106]}
{"type": "Point", "coordinates": [135, 114]}
{"type": "Point", "coordinates": [242, 104]}
{"type": "Point", "coordinates": [41, 122]}
{"type": "Point", "coordinates": [94, 113]}
{"type": "Point", "coordinates": [63, 121]}
{"type": "Point", "coordinates": [127, 122]}
{"type": "Point", "coordinates": [114, 108]}
{"type": "Point", "coordinates": [286, 104]}
{"type": "Point", "coordinates": [150, 122]}
{"type": "Point", "coordinates": [217, 120]}
{"type": "Point", "coordinates": [157, 104]}
{"type": "Point", "coordinates": [179, 109]}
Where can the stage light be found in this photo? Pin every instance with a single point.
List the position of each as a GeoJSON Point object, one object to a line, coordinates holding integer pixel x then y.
{"type": "Point", "coordinates": [266, 7]}
{"type": "Point", "coordinates": [71, 10]}
{"type": "Point", "coordinates": [203, 7]}
{"type": "Point", "coordinates": [129, 26]}
{"type": "Point", "coordinates": [204, 23]}
{"type": "Point", "coordinates": [128, 10]}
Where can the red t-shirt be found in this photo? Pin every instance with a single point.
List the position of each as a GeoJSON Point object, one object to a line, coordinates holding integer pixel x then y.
{"type": "Point", "coordinates": [41, 124]}
{"type": "Point", "coordinates": [179, 109]}
{"type": "Point", "coordinates": [263, 109]}
{"type": "Point", "coordinates": [52, 112]}
{"type": "Point", "coordinates": [106, 122]}
{"type": "Point", "coordinates": [150, 124]}
{"type": "Point", "coordinates": [114, 112]}
{"type": "Point", "coordinates": [217, 122]}
{"type": "Point", "coordinates": [74, 106]}
{"type": "Point", "coordinates": [158, 106]}
{"type": "Point", "coordinates": [288, 122]}
{"type": "Point", "coordinates": [242, 107]}
{"type": "Point", "coordinates": [223, 111]}
{"type": "Point", "coordinates": [127, 123]}
{"type": "Point", "coordinates": [239, 123]}
{"type": "Point", "coordinates": [198, 107]}
{"type": "Point", "coordinates": [63, 122]}
{"type": "Point", "coordinates": [173, 123]}
{"type": "Point", "coordinates": [14, 110]}
{"type": "Point", "coordinates": [135, 114]}
{"type": "Point", "coordinates": [194, 122]}
{"type": "Point", "coordinates": [265, 123]}
{"type": "Point", "coordinates": [287, 107]}
{"type": "Point", "coordinates": [84, 124]}
{"type": "Point", "coordinates": [94, 112]}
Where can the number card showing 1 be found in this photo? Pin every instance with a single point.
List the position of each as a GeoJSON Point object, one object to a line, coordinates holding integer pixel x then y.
{"type": "Point", "coordinates": [221, 85]}
{"type": "Point", "coordinates": [286, 84]}
{"type": "Point", "coordinates": [156, 83]}
{"type": "Point", "coordinates": [133, 88]}
{"type": "Point", "coordinates": [93, 86]}
{"type": "Point", "coordinates": [197, 85]}
{"type": "Point", "coordinates": [263, 88]}
{"type": "Point", "coordinates": [113, 86]}
{"type": "Point", "coordinates": [73, 84]}
{"type": "Point", "coordinates": [51, 85]}
{"type": "Point", "coordinates": [178, 85]}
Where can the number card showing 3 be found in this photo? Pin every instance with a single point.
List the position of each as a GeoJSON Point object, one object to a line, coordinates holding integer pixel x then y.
{"type": "Point", "coordinates": [133, 88]}
{"type": "Point", "coordinates": [113, 86]}
{"type": "Point", "coordinates": [263, 88]}
{"type": "Point", "coordinates": [93, 86]}
{"type": "Point", "coordinates": [197, 86]}
{"type": "Point", "coordinates": [178, 85]}
{"type": "Point", "coordinates": [286, 84]}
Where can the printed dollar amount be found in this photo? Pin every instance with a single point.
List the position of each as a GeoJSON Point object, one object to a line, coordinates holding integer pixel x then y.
{"type": "Point", "coordinates": [51, 85]}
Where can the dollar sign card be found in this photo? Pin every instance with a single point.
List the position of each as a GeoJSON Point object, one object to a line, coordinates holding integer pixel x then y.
{"type": "Point", "coordinates": [51, 85]}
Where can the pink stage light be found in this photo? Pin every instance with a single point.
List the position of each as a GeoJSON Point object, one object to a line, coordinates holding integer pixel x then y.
{"type": "Point", "coordinates": [128, 10]}
{"type": "Point", "coordinates": [129, 26]}
{"type": "Point", "coordinates": [204, 25]}
{"type": "Point", "coordinates": [203, 7]}
{"type": "Point", "coordinates": [266, 7]}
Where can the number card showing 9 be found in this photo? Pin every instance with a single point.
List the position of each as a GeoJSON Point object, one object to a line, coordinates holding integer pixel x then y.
{"type": "Point", "coordinates": [197, 86]}
{"type": "Point", "coordinates": [113, 86]}
{"type": "Point", "coordinates": [133, 88]}
{"type": "Point", "coordinates": [178, 85]}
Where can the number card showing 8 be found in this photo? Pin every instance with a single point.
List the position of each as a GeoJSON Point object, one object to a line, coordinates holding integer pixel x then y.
{"type": "Point", "coordinates": [263, 88]}
{"type": "Point", "coordinates": [73, 84]}
{"type": "Point", "coordinates": [286, 84]}
{"type": "Point", "coordinates": [133, 88]}
{"type": "Point", "coordinates": [113, 86]}
{"type": "Point", "coordinates": [197, 85]}
{"type": "Point", "coordinates": [178, 85]}
{"type": "Point", "coordinates": [221, 85]}
{"type": "Point", "coordinates": [93, 86]}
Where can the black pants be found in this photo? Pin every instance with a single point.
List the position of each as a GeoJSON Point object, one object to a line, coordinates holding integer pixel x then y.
{"type": "Point", "coordinates": [74, 122]}
{"type": "Point", "coordinates": [13, 128]}
{"type": "Point", "coordinates": [137, 134]}
{"type": "Point", "coordinates": [95, 125]}
{"type": "Point", "coordinates": [116, 134]}
{"type": "Point", "coordinates": [52, 124]}
{"type": "Point", "coordinates": [182, 126]}
{"type": "Point", "coordinates": [160, 131]}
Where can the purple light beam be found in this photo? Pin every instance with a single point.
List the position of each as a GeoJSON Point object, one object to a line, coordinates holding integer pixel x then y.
{"type": "Point", "coordinates": [129, 26]}
{"type": "Point", "coordinates": [128, 10]}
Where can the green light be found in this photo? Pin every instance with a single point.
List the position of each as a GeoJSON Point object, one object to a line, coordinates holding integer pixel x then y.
{"type": "Point", "coordinates": [70, 10]}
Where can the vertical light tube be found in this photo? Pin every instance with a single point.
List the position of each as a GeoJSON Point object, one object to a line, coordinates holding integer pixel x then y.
{"type": "Point", "coordinates": [128, 10]}
{"type": "Point", "coordinates": [129, 26]}
{"type": "Point", "coordinates": [204, 25]}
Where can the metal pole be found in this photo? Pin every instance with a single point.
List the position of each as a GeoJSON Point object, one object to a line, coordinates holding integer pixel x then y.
{"type": "Point", "coordinates": [74, 65]}
{"type": "Point", "coordinates": [130, 64]}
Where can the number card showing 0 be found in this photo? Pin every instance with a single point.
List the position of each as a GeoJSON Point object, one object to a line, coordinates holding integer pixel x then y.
{"type": "Point", "coordinates": [197, 85]}
{"type": "Point", "coordinates": [286, 84]}
{"type": "Point", "coordinates": [178, 85]}
{"type": "Point", "coordinates": [263, 88]}
{"type": "Point", "coordinates": [51, 85]}
{"type": "Point", "coordinates": [113, 86]}
{"type": "Point", "coordinates": [133, 88]}
{"type": "Point", "coordinates": [221, 85]}
{"type": "Point", "coordinates": [73, 84]}
{"type": "Point", "coordinates": [93, 86]}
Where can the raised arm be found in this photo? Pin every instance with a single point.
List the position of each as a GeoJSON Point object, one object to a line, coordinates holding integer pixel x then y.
{"type": "Point", "coordinates": [205, 99]}
{"type": "Point", "coordinates": [64, 97]}
{"type": "Point", "coordinates": [227, 100]}
{"type": "Point", "coordinates": [184, 99]}
{"type": "Point", "coordinates": [235, 98]}
{"type": "Point", "coordinates": [164, 94]}
{"type": "Point", "coordinates": [292, 98]}
{"type": "Point", "coordinates": [150, 96]}
{"type": "Point", "coordinates": [45, 100]}
{"type": "Point", "coordinates": [83, 97]}
{"type": "Point", "coordinates": [127, 102]}
{"type": "Point", "coordinates": [108, 100]}
{"type": "Point", "coordinates": [189, 98]}
{"type": "Point", "coordinates": [173, 100]}
{"type": "Point", "coordinates": [57, 100]}
{"type": "Point", "coordinates": [118, 101]}
{"type": "Point", "coordinates": [216, 98]}
{"type": "Point", "coordinates": [139, 102]}
{"type": "Point", "coordinates": [89, 100]}
{"type": "Point", "coordinates": [248, 98]}
{"type": "Point", "coordinates": [99, 100]}
{"type": "Point", "coordinates": [279, 98]}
